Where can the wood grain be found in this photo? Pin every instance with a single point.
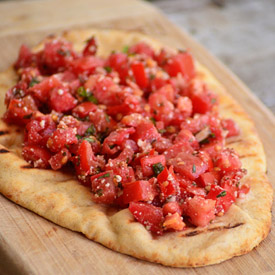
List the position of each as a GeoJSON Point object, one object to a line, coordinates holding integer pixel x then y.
{"type": "Point", "coordinates": [31, 245]}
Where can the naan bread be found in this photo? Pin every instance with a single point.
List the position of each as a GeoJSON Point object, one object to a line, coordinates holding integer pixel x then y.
{"type": "Point", "coordinates": [60, 198]}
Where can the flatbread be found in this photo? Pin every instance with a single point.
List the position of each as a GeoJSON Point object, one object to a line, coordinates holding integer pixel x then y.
{"type": "Point", "coordinates": [60, 198]}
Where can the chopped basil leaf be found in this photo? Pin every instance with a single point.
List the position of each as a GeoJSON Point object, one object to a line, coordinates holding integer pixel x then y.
{"type": "Point", "coordinates": [108, 69]}
{"type": "Point", "coordinates": [99, 192]}
{"type": "Point", "coordinates": [111, 146]}
{"type": "Point", "coordinates": [91, 130]}
{"type": "Point", "coordinates": [153, 120]}
{"type": "Point", "coordinates": [212, 135]}
{"type": "Point", "coordinates": [222, 194]}
{"type": "Point", "coordinates": [33, 82]}
{"type": "Point", "coordinates": [78, 136]}
{"type": "Point", "coordinates": [161, 131]}
{"type": "Point", "coordinates": [89, 139]}
{"type": "Point", "coordinates": [213, 100]}
{"type": "Point", "coordinates": [64, 154]}
{"type": "Point", "coordinates": [194, 168]}
{"type": "Point", "coordinates": [27, 116]}
{"type": "Point", "coordinates": [152, 76]}
{"type": "Point", "coordinates": [63, 53]}
{"type": "Point", "coordinates": [81, 91]}
{"type": "Point", "coordinates": [157, 168]}
{"type": "Point", "coordinates": [125, 49]}
{"type": "Point", "coordinates": [107, 175]}
{"type": "Point", "coordinates": [107, 118]}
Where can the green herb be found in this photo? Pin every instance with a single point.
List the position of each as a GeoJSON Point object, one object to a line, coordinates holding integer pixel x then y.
{"type": "Point", "coordinates": [213, 100]}
{"type": "Point", "coordinates": [194, 183]}
{"type": "Point", "coordinates": [99, 192]}
{"type": "Point", "coordinates": [153, 120]}
{"type": "Point", "coordinates": [64, 53]}
{"type": "Point", "coordinates": [78, 136]}
{"type": "Point", "coordinates": [152, 76]}
{"type": "Point", "coordinates": [64, 154]}
{"type": "Point", "coordinates": [107, 118]}
{"type": "Point", "coordinates": [157, 168]}
{"type": "Point", "coordinates": [107, 175]}
{"type": "Point", "coordinates": [125, 49]}
{"type": "Point", "coordinates": [112, 146]}
{"type": "Point", "coordinates": [33, 82]}
{"type": "Point", "coordinates": [108, 69]}
{"type": "Point", "coordinates": [91, 130]}
{"type": "Point", "coordinates": [81, 91]}
{"type": "Point", "coordinates": [27, 116]}
{"type": "Point", "coordinates": [89, 139]}
{"type": "Point", "coordinates": [161, 131]}
{"type": "Point", "coordinates": [194, 168]}
{"type": "Point", "coordinates": [222, 194]}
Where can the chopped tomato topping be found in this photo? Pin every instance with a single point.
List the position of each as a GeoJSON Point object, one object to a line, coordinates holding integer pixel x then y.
{"type": "Point", "coordinates": [138, 127]}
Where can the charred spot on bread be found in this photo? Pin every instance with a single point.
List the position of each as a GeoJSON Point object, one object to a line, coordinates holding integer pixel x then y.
{"type": "Point", "coordinates": [3, 151]}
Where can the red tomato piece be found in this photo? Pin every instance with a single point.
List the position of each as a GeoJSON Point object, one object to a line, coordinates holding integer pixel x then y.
{"type": "Point", "coordinates": [91, 47]}
{"type": "Point", "coordinates": [148, 215]}
{"type": "Point", "coordinates": [177, 148]}
{"type": "Point", "coordinates": [39, 130]}
{"type": "Point", "coordinates": [60, 138]}
{"type": "Point", "coordinates": [119, 63]}
{"type": "Point", "coordinates": [138, 191]}
{"type": "Point", "coordinates": [86, 64]}
{"type": "Point", "coordinates": [20, 111]}
{"type": "Point", "coordinates": [231, 126]}
{"type": "Point", "coordinates": [174, 222]}
{"type": "Point", "coordinates": [167, 91]}
{"type": "Point", "coordinates": [181, 63]}
{"type": "Point", "coordinates": [25, 58]}
{"type": "Point", "coordinates": [228, 161]}
{"type": "Point", "coordinates": [186, 136]}
{"type": "Point", "coordinates": [223, 198]}
{"type": "Point", "coordinates": [115, 139]}
{"type": "Point", "coordinates": [146, 131]}
{"type": "Point", "coordinates": [184, 105]}
{"type": "Point", "coordinates": [87, 157]}
{"type": "Point", "coordinates": [201, 211]}
{"type": "Point", "coordinates": [39, 157]}
{"type": "Point", "coordinates": [171, 208]}
{"type": "Point", "coordinates": [142, 48]}
{"type": "Point", "coordinates": [188, 165]}
{"type": "Point", "coordinates": [60, 159]}
{"type": "Point", "coordinates": [103, 188]}
{"type": "Point", "coordinates": [148, 162]}
{"type": "Point", "coordinates": [209, 178]}
{"type": "Point", "coordinates": [139, 74]}
{"type": "Point", "coordinates": [61, 100]}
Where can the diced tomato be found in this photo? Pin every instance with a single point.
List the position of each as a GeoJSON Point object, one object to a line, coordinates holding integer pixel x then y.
{"type": "Point", "coordinates": [86, 64]}
{"type": "Point", "coordinates": [102, 122]}
{"type": "Point", "coordinates": [91, 47]}
{"type": "Point", "coordinates": [18, 91]}
{"type": "Point", "coordinates": [184, 105]}
{"type": "Point", "coordinates": [20, 111]}
{"type": "Point", "coordinates": [41, 91]}
{"type": "Point", "coordinates": [39, 157]}
{"type": "Point", "coordinates": [223, 198]}
{"type": "Point", "coordinates": [39, 130]}
{"type": "Point", "coordinates": [103, 188]}
{"type": "Point", "coordinates": [186, 136]}
{"type": "Point", "coordinates": [201, 211]}
{"type": "Point", "coordinates": [25, 58]}
{"type": "Point", "coordinates": [148, 164]}
{"type": "Point", "coordinates": [167, 91]}
{"type": "Point", "coordinates": [148, 215]}
{"type": "Point", "coordinates": [57, 54]}
{"type": "Point", "coordinates": [182, 63]}
{"type": "Point", "coordinates": [243, 190]}
{"type": "Point", "coordinates": [116, 138]}
{"type": "Point", "coordinates": [171, 208]}
{"type": "Point", "coordinates": [139, 74]}
{"type": "Point", "coordinates": [189, 188]}
{"type": "Point", "coordinates": [209, 178]}
{"type": "Point", "coordinates": [162, 144]}
{"type": "Point", "coordinates": [61, 100]}
{"type": "Point", "coordinates": [188, 165]}
{"type": "Point", "coordinates": [157, 83]}
{"type": "Point", "coordinates": [168, 183]}
{"type": "Point", "coordinates": [231, 126]}
{"type": "Point", "coordinates": [138, 191]}
{"type": "Point", "coordinates": [174, 222]}
{"type": "Point", "coordinates": [205, 157]}
{"type": "Point", "coordinates": [60, 138]}
{"type": "Point", "coordinates": [161, 108]}
{"type": "Point", "coordinates": [146, 131]}
{"type": "Point", "coordinates": [60, 159]}
{"type": "Point", "coordinates": [228, 161]}
{"type": "Point", "coordinates": [142, 48]}
{"type": "Point", "coordinates": [119, 62]}
{"type": "Point", "coordinates": [177, 148]}
{"type": "Point", "coordinates": [213, 149]}
{"type": "Point", "coordinates": [196, 124]}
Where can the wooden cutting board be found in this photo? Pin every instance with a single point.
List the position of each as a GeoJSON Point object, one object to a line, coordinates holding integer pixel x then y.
{"type": "Point", "coordinates": [30, 244]}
